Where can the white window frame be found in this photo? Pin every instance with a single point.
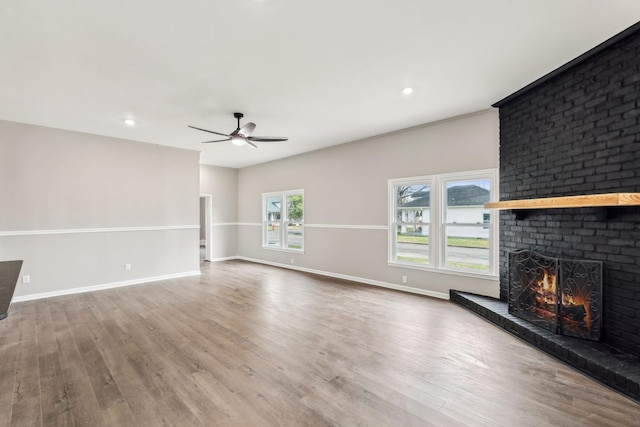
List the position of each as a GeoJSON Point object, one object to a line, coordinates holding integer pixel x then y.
{"type": "Point", "coordinates": [437, 229]}
{"type": "Point", "coordinates": [393, 224]}
{"type": "Point", "coordinates": [284, 222]}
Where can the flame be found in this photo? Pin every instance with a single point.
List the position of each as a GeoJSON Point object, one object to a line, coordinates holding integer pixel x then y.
{"type": "Point", "coordinates": [547, 298]}
{"type": "Point", "coordinates": [569, 300]}
{"type": "Point", "coordinates": [546, 288]}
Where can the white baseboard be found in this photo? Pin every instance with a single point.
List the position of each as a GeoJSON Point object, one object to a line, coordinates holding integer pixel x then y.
{"type": "Point", "coordinates": [102, 286]}
{"type": "Point", "coordinates": [228, 258]}
{"type": "Point", "coordinates": [403, 288]}
{"type": "Point", "coordinates": [112, 285]}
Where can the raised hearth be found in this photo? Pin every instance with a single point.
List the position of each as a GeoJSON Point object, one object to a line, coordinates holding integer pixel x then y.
{"type": "Point", "coordinates": [612, 367]}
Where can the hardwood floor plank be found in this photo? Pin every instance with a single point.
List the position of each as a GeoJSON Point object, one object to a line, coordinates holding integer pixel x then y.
{"type": "Point", "coordinates": [120, 414]}
{"type": "Point", "coordinates": [174, 409]}
{"type": "Point", "coordinates": [84, 404]}
{"type": "Point", "coordinates": [27, 376]}
{"type": "Point", "coordinates": [239, 412]}
{"type": "Point", "coordinates": [26, 412]}
{"type": "Point", "coordinates": [105, 389]}
{"type": "Point", "coordinates": [56, 410]}
{"type": "Point", "coordinates": [8, 358]}
{"type": "Point", "coordinates": [44, 329]}
{"type": "Point", "coordinates": [142, 404]}
{"type": "Point", "coordinates": [248, 344]}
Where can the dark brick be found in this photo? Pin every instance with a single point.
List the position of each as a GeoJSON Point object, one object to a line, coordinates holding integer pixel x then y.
{"type": "Point", "coordinates": [579, 133]}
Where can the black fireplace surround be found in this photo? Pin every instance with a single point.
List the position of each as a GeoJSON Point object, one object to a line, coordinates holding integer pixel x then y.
{"type": "Point", "coordinates": [576, 131]}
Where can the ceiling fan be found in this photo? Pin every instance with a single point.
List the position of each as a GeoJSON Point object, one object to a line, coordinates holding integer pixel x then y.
{"type": "Point", "coordinates": [242, 135]}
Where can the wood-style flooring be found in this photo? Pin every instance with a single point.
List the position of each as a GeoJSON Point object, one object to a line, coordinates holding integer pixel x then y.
{"type": "Point", "coordinates": [252, 345]}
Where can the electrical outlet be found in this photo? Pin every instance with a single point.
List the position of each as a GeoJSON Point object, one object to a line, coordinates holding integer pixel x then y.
{"type": "Point", "coordinates": [291, 260]}
{"type": "Point", "coordinates": [404, 279]}
{"type": "Point", "coordinates": [26, 279]}
{"type": "Point", "coordinates": [127, 267]}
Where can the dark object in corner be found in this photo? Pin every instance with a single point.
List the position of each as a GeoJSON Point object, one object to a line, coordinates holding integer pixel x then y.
{"type": "Point", "coordinates": [9, 272]}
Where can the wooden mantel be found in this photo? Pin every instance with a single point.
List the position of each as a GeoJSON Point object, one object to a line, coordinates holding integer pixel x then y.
{"type": "Point", "coordinates": [582, 201]}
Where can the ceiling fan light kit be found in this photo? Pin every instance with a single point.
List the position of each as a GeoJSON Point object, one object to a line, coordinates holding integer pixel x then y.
{"type": "Point", "coordinates": [242, 135]}
{"type": "Point", "coordinates": [238, 141]}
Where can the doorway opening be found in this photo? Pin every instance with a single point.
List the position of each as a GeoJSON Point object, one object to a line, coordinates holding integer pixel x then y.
{"type": "Point", "coordinates": [205, 227]}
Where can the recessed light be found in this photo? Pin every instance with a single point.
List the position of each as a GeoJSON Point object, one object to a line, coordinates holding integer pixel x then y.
{"type": "Point", "coordinates": [407, 91]}
{"type": "Point", "coordinates": [129, 122]}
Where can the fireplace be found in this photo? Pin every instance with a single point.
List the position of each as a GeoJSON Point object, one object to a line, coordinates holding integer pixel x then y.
{"type": "Point", "coordinates": [560, 295]}
{"type": "Point", "coordinates": [576, 131]}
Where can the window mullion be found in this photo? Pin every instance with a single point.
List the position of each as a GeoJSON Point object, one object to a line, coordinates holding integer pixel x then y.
{"type": "Point", "coordinates": [437, 247]}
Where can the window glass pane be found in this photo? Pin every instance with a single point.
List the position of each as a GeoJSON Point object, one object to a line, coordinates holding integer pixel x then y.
{"type": "Point", "coordinates": [465, 201]}
{"type": "Point", "coordinates": [294, 235]}
{"type": "Point", "coordinates": [272, 234]}
{"type": "Point", "coordinates": [412, 219]}
{"type": "Point", "coordinates": [412, 204]}
{"type": "Point", "coordinates": [467, 248]}
{"type": "Point", "coordinates": [412, 246]}
{"type": "Point", "coordinates": [295, 210]}
{"type": "Point", "coordinates": [273, 212]}
{"type": "Point", "coordinates": [273, 208]}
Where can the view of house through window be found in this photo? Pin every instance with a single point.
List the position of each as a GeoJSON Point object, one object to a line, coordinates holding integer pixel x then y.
{"type": "Point", "coordinates": [283, 220]}
{"type": "Point", "coordinates": [272, 230]}
{"type": "Point", "coordinates": [412, 221]}
{"type": "Point", "coordinates": [466, 224]}
{"type": "Point", "coordinates": [440, 222]}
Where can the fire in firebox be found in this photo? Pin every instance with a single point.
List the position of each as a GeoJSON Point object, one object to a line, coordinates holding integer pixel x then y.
{"type": "Point", "coordinates": [563, 296]}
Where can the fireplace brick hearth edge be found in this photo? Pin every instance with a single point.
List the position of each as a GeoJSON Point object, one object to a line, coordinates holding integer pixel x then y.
{"type": "Point", "coordinates": [614, 368]}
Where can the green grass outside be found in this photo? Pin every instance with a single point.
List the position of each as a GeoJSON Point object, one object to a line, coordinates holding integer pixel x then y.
{"type": "Point", "coordinates": [413, 259]}
{"type": "Point", "coordinates": [464, 242]}
{"type": "Point", "coordinates": [462, 265]}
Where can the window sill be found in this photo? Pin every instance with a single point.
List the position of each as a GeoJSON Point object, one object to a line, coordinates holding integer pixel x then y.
{"type": "Point", "coordinates": [295, 251]}
{"type": "Point", "coordinates": [451, 272]}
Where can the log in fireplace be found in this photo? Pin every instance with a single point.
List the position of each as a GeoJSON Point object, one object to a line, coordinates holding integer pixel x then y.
{"type": "Point", "coordinates": [563, 296]}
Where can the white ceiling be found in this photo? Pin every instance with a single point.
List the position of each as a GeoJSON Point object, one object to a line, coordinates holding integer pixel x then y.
{"type": "Point", "coordinates": [322, 73]}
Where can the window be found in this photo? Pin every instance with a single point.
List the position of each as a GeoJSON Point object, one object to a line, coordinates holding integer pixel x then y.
{"type": "Point", "coordinates": [439, 222]}
{"type": "Point", "coordinates": [283, 220]}
{"type": "Point", "coordinates": [466, 234]}
{"type": "Point", "coordinates": [412, 220]}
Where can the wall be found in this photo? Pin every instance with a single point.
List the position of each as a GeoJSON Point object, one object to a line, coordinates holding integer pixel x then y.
{"type": "Point", "coordinates": [579, 133]}
{"type": "Point", "coordinates": [346, 200]}
{"type": "Point", "coordinates": [78, 207]}
{"type": "Point", "coordinates": [222, 184]}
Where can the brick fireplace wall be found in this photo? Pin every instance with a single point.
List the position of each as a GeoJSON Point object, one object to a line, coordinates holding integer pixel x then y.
{"type": "Point", "coordinates": [577, 131]}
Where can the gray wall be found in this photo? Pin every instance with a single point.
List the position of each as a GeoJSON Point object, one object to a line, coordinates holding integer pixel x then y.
{"type": "Point", "coordinates": [78, 207]}
{"type": "Point", "coordinates": [346, 199]}
{"type": "Point", "coordinates": [222, 184]}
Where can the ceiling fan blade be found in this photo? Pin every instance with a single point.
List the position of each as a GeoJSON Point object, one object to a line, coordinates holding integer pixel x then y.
{"type": "Point", "coordinates": [217, 140]}
{"type": "Point", "coordinates": [246, 130]}
{"type": "Point", "coordinates": [249, 144]}
{"type": "Point", "coordinates": [206, 130]}
{"type": "Point", "coordinates": [268, 138]}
